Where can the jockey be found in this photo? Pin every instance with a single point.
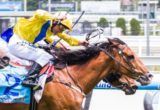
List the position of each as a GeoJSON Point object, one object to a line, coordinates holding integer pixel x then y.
{"type": "Point", "coordinates": [41, 26]}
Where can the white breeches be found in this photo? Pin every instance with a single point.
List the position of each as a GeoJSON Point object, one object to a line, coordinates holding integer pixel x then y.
{"type": "Point", "coordinates": [28, 51]}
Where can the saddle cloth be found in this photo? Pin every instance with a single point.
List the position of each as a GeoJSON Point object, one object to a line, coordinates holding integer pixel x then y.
{"type": "Point", "coordinates": [11, 90]}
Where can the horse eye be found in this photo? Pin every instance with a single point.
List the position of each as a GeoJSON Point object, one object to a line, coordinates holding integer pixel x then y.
{"type": "Point", "coordinates": [130, 57]}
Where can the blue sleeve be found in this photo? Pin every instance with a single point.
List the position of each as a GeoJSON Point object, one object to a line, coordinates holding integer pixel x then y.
{"type": "Point", "coordinates": [6, 35]}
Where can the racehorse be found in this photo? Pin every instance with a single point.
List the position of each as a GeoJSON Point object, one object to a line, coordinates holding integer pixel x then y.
{"type": "Point", "coordinates": [83, 70]}
{"type": "Point", "coordinates": [122, 82]}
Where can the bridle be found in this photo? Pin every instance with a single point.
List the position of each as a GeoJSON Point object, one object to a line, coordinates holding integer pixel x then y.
{"type": "Point", "coordinates": [131, 69]}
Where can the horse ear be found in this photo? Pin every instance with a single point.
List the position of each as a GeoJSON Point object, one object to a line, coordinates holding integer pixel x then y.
{"type": "Point", "coordinates": [110, 41]}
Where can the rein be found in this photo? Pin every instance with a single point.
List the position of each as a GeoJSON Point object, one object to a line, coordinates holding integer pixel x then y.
{"type": "Point", "coordinates": [76, 87]}
{"type": "Point", "coordinates": [75, 82]}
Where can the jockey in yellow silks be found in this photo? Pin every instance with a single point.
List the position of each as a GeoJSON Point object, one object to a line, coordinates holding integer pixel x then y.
{"type": "Point", "coordinates": [41, 26]}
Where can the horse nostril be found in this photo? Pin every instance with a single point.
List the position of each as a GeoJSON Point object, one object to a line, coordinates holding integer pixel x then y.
{"type": "Point", "coordinates": [150, 75]}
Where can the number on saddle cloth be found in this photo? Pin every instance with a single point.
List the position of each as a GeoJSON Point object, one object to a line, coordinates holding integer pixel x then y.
{"type": "Point", "coordinates": [6, 35]}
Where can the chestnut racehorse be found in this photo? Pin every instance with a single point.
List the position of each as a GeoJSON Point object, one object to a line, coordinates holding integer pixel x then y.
{"type": "Point", "coordinates": [122, 82]}
{"type": "Point", "coordinates": [83, 70]}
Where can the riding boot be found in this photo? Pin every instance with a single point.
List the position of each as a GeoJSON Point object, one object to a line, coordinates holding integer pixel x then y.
{"type": "Point", "coordinates": [31, 80]}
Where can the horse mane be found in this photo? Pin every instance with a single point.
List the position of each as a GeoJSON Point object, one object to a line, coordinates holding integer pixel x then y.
{"type": "Point", "coordinates": [78, 56]}
{"type": "Point", "coordinates": [83, 55]}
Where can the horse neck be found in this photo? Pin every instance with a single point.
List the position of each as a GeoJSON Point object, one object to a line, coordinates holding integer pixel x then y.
{"type": "Point", "coordinates": [90, 73]}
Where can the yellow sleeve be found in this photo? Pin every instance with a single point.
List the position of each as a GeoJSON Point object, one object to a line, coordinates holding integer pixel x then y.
{"type": "Point", "coordinates": [69, 39]}
{"type": "Point", "coordinates": [49, 40]}
{"type": "Point", "coordinates": [42, 14]}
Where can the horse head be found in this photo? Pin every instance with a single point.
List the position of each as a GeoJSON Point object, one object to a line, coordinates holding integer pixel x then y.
{"type": "Point", "coordinates": [126, 61]}
{"type": "Point", "coordinates": [122, 82]}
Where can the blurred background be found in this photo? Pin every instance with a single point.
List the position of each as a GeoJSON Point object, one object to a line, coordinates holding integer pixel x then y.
{"type": "Point", "coordinates": [137, 22]}
{"type": "Point", "coordinates": [124, 17]}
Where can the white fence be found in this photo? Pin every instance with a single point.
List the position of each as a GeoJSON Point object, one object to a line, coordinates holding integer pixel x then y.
{"type": "Point", "coordinates": [151, 60]}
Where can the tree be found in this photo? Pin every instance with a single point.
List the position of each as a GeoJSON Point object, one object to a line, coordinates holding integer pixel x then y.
{"type": "Point", "coordinates": [122, 24]}
{"type": "Point", "coordinates": [32, 5]}
{"type": "Point", "coordinates": [135, 27]}
{"type": "Point", "coordinates": [103, 22]}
